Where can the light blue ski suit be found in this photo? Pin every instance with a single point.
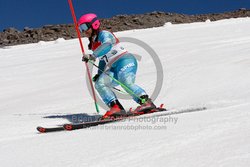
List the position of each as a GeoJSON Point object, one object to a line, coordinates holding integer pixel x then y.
{"type": "Point", "coordinates": [118, 63]}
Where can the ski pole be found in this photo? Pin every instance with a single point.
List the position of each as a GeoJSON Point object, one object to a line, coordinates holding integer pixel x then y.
{"type": "Point", "coordinates": [81, 45]}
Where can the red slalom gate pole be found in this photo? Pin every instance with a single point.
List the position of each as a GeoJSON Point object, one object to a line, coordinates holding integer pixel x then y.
{"type": "Point", "coordinates": [81, 45]}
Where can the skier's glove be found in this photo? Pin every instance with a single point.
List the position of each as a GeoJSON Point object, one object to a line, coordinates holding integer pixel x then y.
{"type": "Point", "coordinates": [84, 58]}
{"type": "Point", "coordinates": [95, 77]}
{"type": "Point", "coordinates": [87, 57]}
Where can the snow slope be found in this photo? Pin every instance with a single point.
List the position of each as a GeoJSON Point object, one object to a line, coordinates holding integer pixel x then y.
{"type": "Point", "coordinates": [204, 65]}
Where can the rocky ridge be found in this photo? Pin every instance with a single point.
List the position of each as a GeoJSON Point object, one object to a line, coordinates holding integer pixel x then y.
{"type": "Point", "coordinates": [12, 36]}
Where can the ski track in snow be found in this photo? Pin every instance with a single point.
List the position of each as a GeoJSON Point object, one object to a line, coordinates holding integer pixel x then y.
{"type": "Point", "coordinates": [204, 65]}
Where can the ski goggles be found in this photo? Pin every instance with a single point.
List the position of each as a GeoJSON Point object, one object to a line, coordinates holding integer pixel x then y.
{"type": "Point", "coordinates": [83, 27]}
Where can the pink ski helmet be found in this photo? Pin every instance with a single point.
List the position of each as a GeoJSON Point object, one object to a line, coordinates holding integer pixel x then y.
{"type": "Point", "coordinates": [88, 21]}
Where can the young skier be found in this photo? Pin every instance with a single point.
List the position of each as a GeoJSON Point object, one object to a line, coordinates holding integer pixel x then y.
{"type": "Point", "coordinates": [116, 62]}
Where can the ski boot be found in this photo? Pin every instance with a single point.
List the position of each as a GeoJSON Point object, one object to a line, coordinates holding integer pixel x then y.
{"type": "Point", "coordinates": [116, 110]}
{"type": "Point", "coordinates": [146, 106]}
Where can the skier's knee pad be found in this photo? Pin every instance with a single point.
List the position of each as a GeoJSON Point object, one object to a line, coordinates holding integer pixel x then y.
{"type": "Point", "coordinates": [99, 85]}
{"type": "Point", "coordinates": [102, 82]}
{"type": "Point", "coordinates": [128, 79]}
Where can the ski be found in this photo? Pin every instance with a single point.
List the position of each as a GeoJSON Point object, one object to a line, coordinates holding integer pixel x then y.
{"type": "Point", "coordinates": [69, 127]}
{"type": "Point", "coordinates": [46, 130]}
{"type": "Point", "coordinates": [83, 125]}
